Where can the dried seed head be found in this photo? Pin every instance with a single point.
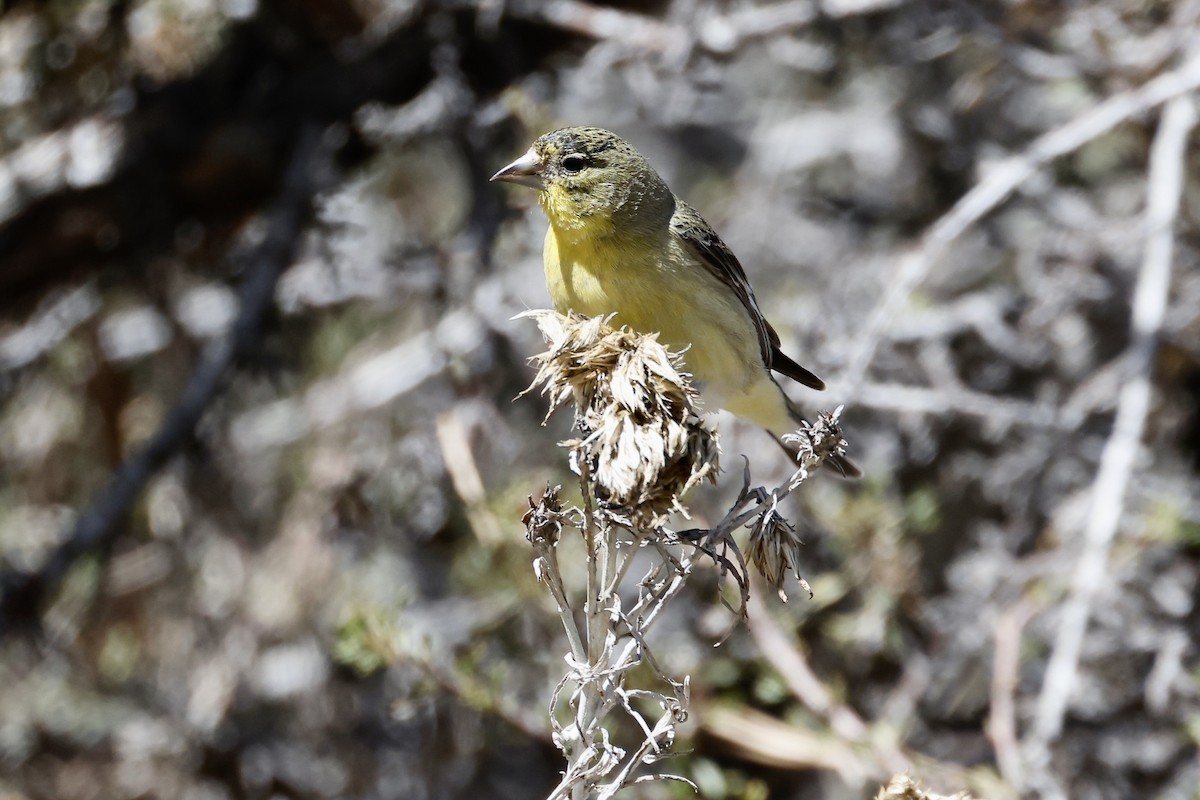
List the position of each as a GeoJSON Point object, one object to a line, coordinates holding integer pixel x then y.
{"type": "Point", "coordinates": [774, 549]}
{"type": "Point", "coordinates": [815, 442]}
{"type": "Point", "coordinates": [642, 438]}
{"type": "Point", "coordinates": [544, 519]}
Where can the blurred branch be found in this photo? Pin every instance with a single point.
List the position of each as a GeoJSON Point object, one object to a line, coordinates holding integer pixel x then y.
{"type": "Point", "coordinates": [365, 384]}
{"type": "Point", "coordinates": [878, 755]}
{"type": "Point", "coordinates": [995, 187]}
{"type": "Point", "coordinates": [851, 747]}
{"type": "Point", "coordinates": [1164, 189]}
{"type": "Point", "coordinates": [760, 738]}
{"type": "Point", "coordinates": [1001, 724]}
{"type": "Point", "coordinates": [466, 688]}
{"type": "Point", "coordinates": [725, 33]}
{"type": "Point", "coordinates": [721, 33]}
{"type": "Point", "coordinates": [639, 30]}
{"type": "Point", "coordinates": [57, 315]}
{"type": "Point", "coordinates": [921, 400]}
{"type": "Point", "coordinates": [981, 312]}
{"type": "Point", "coordinates": [99, 524]}
{"type": "Point", "coordinates": [457, 455]}
{"type": "Point", "coordinates": [763, 739]}
{"type": "Point", "coordinates": [789, 661]}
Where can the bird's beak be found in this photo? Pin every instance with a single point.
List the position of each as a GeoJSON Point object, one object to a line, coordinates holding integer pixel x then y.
{"type": "Point", "coordinates": [526, 170]}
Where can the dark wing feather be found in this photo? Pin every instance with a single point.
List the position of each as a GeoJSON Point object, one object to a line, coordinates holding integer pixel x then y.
{"type": "Point", "coordinates": [688, 225]}
{"type": "Point", "coordinates": [784, 365]}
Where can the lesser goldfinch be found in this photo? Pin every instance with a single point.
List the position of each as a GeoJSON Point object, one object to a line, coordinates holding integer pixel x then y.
{"type": "Point", "coordinates": [621, 242]}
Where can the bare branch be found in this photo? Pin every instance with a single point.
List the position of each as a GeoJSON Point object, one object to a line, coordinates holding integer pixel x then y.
{"type": "Point", "coordinates": [994, 189]}
{"type": "Point", "coordinates": [638, 30]}
{"type": "Point", "coordinates": [921, 400]}
{"type": "Point", "coordinates": [1165, 185]}
{"type": "Point", "coordinates": [722, 33]}
{"type": "Point", "coordinates": [1002, 716]}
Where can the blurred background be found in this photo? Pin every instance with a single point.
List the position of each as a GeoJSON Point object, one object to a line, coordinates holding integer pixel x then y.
{"type": "Point", "coordinates": [262, 470]}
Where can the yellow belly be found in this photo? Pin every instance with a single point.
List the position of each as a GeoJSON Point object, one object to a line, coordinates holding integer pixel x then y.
{"type": "Point", "coordinates": [656, 287]}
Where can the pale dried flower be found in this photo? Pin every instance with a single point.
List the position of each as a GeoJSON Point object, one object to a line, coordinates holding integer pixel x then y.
{"type": "Point", "coordinates": [815, 443]}
{"type": "Point", "coordinates": [642, 437]}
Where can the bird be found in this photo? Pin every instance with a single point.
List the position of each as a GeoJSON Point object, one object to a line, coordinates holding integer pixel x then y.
{"type": "Point", "coordinates": [621, 243]}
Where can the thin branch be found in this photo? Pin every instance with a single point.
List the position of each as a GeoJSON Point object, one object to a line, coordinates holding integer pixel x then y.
{"type": "Point", "coordinates": [923, 400]}
{"type": "Point", "coordinates": [591, 689]}
{"type": "Point", "coordinates": [1165, 186]}
{"type": "Point", "coordinates": [627, 27]}
{"type": "Point", "coordinates": [463, 471]}
{"type": "Point", "coordinates": [553, 578]}
{"type": "Point", "coordinates": [1001, 724]}
{"type": "Point", "coordinates": [100, 523]}
{"type": "Point", "coordinates": [635, 544]}
{"type": "Point", "coordinates": [629, 393]}
{"type": "Point", "coordinates": [805, 686]}
{"type": "Point", "coordinates": [722, 33]}
{"type": "Point", "coordinates": [683, 569]}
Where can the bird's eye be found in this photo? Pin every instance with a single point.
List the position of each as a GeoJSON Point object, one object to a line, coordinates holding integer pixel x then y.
{"type": "Point", "coordinates": [573, 162]}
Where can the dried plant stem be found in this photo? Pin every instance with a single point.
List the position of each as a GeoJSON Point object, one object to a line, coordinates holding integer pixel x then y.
{"type": "Point", "coordinates": [590, 697]}
{"type": "Point", "coordinates": [625, 562]}
{"type": "Point", "coordinates": [593, 543]}
{"type": "Point", "coordinates": [642, 444]}
{"type": "Point", "coordinates": [553, 579]}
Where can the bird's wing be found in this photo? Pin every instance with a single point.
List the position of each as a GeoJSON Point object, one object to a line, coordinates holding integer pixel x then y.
{"type": "Point", "coordinates": [688, 225]}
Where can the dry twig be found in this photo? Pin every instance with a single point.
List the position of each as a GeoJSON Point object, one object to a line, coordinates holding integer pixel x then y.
{"type": "Point", "coordinates": [1002, 716]}
{"type": "Point", "coordinates": [720, 33]}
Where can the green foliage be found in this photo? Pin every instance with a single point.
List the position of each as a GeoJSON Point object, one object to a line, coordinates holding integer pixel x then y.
{"type": "Point", "coordinates": [366, 640]}
{"type": "Point", "coordinates": [1166, 522]}
{"type": "Point", "coordinates": [921, 510]}
{"type": "Point", "coordinates": [120, 654]}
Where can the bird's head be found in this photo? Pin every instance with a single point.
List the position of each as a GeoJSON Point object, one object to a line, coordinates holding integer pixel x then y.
{"type": "Point", "coordinates": [591, 178]}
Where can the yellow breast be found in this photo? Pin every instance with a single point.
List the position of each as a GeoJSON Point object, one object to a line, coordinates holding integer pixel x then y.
{"type": "Point", "coordinates": [607, 255]}
{"type": "Point", "coordinates": [657, 287]}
